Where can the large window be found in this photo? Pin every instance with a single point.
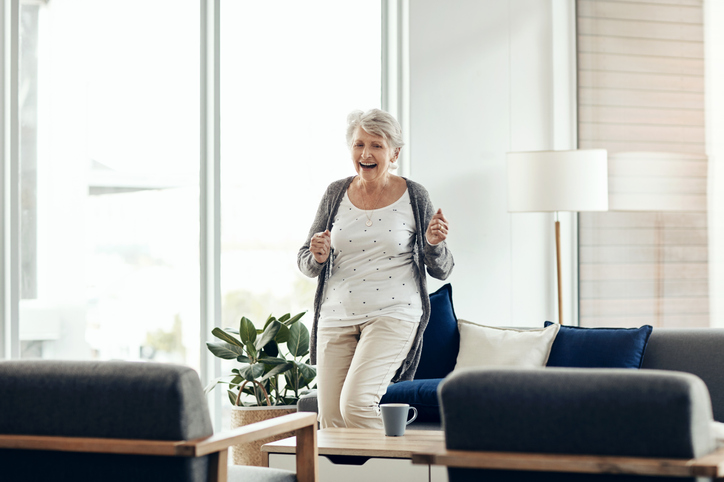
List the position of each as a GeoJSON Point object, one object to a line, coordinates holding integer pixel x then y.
{"type": "Point", "coordinates": [109, 156]}
{"type": "Point", "coordinates": [109, 169]}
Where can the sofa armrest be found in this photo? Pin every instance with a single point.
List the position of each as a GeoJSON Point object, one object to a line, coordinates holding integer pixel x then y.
{"type": "Point", "coordinates": [711, 465]}
{"type": "Point", "coordinates": [248, 433]}
{"type": "Point", "coordinates": [305, 424]}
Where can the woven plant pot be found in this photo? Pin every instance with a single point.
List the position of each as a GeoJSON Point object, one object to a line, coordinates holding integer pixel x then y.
{"type": "Point", "coordinates": [250, 453]}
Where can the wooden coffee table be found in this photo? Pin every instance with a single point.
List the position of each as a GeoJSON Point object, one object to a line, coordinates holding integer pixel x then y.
{"type": "Point", "coordinates": [364, 454]}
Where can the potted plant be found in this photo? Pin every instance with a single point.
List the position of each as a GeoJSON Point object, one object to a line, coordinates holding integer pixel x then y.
{"type": "Point", "coordinates": [274, 371]}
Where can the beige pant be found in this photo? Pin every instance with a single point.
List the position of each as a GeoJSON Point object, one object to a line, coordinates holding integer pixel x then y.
{"type": "Point", "coordinates": [355, 364]}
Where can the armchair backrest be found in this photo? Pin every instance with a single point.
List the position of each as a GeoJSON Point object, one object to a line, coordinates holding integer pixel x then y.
{"type": "Point", "coordinates": [637, 413]}
{"type": "Point", "coordinates": [122, 400]}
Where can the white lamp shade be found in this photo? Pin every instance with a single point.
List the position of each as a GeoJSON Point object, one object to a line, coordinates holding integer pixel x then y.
{"type": "Point", "coordinates": [544, 181]}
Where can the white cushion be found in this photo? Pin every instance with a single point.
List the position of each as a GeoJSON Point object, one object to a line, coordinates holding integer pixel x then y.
{"type": "Point", "coordinates": [488, 346]}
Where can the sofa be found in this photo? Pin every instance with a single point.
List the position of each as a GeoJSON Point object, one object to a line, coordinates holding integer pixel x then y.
{"type": "Point", "coordinates": [695, 351]}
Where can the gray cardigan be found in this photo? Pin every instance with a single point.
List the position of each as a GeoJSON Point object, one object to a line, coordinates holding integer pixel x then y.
{"type": "Point", "coordinates": [437, 259]}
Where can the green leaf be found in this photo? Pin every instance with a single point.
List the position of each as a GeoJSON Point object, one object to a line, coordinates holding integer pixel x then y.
{"type": "Point", "coordinates": [247, 331]}
{"type": "Point", "coordinates": [284, 318]}
{"type": "Point", "coordinates": [298, 343]}
{"type": "Point", "coordinates": [293, 380]}
{"type": "Point", "coordinates": [269, 320]}
{"type": "Point", "coordinates": [236, 380]}
{"type": "Point", "coordinates": [251, 351]}
{"type": "Point", "coordinates": [217, 381]}
{"type": "Point", "coordinates": [296, 318]}
{"type": "Point", "coordinates": [276, 371]}
{"type": "Point", "coordinates": [243, 359]}
{"type": "Point", "coordinates": [308, 372]}
{"type": "Point", "coordinates": [300, 382]}
{"type": "Point", "coordinates": [272, 360]}
{"type": "Point", "coordinates": [225, 350]}
{"type": "Point", "coordinates": [302, 377]}
{"type": "Point", "coordinates": [252, 372]}
{"type": "Point", "coordinates": [283, 335]}
{"type": "Point", "coordinates": [267, 335]}
{"type": "Point", "coordinates": [232, 397]}
{"type": "Point", "coordinates": [306, 383]}
{"type": "Point", "coordinates": [221, 334]}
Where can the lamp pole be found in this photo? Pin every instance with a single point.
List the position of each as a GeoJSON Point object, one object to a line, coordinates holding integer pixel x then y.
{"type": "Point", "coordinates": [558, 270]}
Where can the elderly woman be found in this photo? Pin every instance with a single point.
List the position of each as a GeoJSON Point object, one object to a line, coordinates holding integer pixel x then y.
{"type": "Point", "coordinates": [372, 239]}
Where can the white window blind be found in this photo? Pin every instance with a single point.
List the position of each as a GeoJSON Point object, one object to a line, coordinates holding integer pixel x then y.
{"type": "Point", "coordinates": [641, 97]}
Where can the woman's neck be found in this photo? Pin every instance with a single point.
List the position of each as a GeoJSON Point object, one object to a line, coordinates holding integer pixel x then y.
{"type": "Point", "coordinates": [373, 186]}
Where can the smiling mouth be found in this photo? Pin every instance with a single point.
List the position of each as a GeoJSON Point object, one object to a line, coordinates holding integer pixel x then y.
{"type": "Point", "coordinates": [366, 165]}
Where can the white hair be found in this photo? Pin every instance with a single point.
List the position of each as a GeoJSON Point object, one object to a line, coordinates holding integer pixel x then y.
{"type": "Point", "coordinates": [379, 123]}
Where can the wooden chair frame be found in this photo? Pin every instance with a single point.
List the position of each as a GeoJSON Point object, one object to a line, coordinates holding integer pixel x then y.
{"type": "Point", "coordinates": [711, 465]}
{"type": "Point", "coordinates": [304, 424]}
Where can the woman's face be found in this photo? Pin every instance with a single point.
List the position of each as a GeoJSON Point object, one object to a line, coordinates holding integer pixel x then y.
{"type": "Point", "coordinates": [371, 155]}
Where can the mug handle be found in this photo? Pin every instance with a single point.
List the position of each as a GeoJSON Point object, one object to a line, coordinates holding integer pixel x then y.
{"type": "Point", "coordinates": [414, 415]}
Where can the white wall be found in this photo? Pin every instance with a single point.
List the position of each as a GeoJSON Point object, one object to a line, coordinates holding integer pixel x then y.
{"type": "Point", "coordinates": [481, 84]}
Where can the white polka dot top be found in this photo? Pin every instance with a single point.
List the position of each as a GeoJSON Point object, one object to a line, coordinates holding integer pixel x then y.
{"type": "Point", "coordinates": [372, 268]}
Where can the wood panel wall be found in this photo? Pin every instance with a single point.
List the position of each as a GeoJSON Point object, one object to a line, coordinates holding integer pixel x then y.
{"type": "Point", "coordinates": [641, 88]}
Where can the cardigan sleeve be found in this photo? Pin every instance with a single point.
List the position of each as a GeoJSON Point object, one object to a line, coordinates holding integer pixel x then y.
{"type": "Point", "coordinates": [305, 259]}
{"type": "Point", "coordinates": [437, 258]}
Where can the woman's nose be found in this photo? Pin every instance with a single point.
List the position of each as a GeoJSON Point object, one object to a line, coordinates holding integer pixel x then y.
{"type": "Point", "coordinates": [365, 153]}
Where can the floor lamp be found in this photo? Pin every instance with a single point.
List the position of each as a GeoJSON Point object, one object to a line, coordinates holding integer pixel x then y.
{"type": "Point", "coordinates": [554, 181]}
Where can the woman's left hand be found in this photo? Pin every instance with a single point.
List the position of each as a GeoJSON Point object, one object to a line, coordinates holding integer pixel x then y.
{"type": "Point", "coordinates": [437, 229]}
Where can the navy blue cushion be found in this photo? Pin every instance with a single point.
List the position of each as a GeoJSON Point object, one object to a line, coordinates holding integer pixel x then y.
{"type": "Point", "coordinates": [599, 347]}
{"type": "Point", "coordinates": [441, 340]}
{"type": "Point", "coordinates": [421, 394]}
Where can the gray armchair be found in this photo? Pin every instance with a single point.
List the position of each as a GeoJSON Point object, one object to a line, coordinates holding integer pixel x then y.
{"type": "Point", "coordinates": [560, 424]}
{"type": "Point", "coordinates": [124, 421]}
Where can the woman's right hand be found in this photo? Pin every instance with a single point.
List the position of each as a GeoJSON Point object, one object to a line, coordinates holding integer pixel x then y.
{"type": "Point", "coordinates": [320, 246]}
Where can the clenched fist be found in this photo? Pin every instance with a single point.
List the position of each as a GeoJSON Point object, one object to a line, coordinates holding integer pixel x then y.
{"type": "Point", "coordinates": [437, 229]}
{"type": "Point", "coordinates": [320, 246]}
